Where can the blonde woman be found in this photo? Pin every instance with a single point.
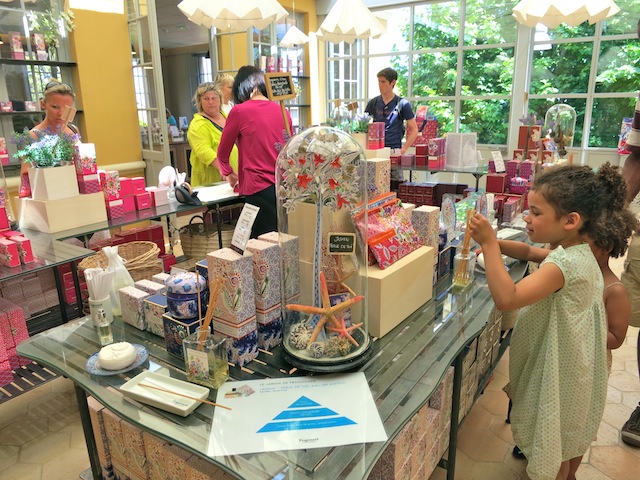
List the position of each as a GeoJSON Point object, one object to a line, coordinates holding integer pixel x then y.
{"type": "Point", "coordinates": [224, 83]}
{"type": "Point", "coordinates": [204, 134]}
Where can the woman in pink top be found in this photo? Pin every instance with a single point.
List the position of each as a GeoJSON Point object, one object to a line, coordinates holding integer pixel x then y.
{"type": "Point", "coordinates": [256, 126]}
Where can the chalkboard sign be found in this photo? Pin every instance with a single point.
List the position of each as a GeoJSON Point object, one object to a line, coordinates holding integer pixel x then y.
{"type": "Point", "coordinates": [280, 86]}
{"type": "Point", "coordinates": [342, 243]}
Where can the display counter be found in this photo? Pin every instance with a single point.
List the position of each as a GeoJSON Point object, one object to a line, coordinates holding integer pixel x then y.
{"type": "Point", "coordinates": [406, 366]}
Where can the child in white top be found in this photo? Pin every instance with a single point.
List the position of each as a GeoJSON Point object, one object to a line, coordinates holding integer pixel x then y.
{"type": "Point", "coordinates": [558, 366]}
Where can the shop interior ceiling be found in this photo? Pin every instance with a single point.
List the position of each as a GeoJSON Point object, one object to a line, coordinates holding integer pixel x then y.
{"type": "Point", "coordinates": [174, 29]}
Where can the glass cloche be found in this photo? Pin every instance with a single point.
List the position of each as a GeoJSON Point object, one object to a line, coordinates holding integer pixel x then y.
{"type": "Point", "coordinates": [560, 126]}
{"type": "Point", "coordinates": [320, 181]}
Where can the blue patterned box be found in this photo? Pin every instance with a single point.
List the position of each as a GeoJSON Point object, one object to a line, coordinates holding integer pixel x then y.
{"type": "Point", "coordinates": [175, 331]}
{"type": "Point", "coordinates": [155, 307]}
{"type": "Point", "coordinates": [290, 245]}
{"type": "Point", "coordinates": [242, 339]}
{"type": "Point", "coordinates": [266, 273]}
{"type": "Point", "coordinates": [131, 303]}
{"type": "Point", "coordinates": [269, 328]}
{"type": "Point", "coordinates": [237, 297]}
{"type": "Point", "coordinates": [202, 267]}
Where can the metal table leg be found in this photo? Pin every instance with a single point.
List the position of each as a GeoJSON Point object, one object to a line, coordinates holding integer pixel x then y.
{"type": "Point", "coordinates": [455, 409]}
{"type": "Point", "coordinates": [92, 449]}
{"type": "Point", "coordinates": [60, 290]}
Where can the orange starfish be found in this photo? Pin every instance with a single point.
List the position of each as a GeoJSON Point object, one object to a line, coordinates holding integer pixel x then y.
{"type": "Point", "coordinates": [326, 312]}
{"type": "Point", "coordinates": [339, 278]}
{"type": "Point", "coordinates": [345, 331]}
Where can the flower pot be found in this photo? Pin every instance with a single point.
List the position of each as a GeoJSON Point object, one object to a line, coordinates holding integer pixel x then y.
{"type": "Point", "coordinates": [53, 183]}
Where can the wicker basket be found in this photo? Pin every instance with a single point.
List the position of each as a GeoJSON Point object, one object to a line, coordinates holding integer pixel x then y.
{"type": "Point", "coordinates": [200, 238]}
{"type": "Point", "coordinates": [141, 260]}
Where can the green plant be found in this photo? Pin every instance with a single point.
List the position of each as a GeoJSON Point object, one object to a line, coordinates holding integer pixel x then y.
{"type": "Point", "coordinates": [360, 123]}
{"type": "Point", "coordinates": [47, 150]}
{"type": "Point", "coordinates": [48, 25]}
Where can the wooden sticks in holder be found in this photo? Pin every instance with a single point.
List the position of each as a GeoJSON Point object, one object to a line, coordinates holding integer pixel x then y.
{"type": "Point", "coordinates": [465, 261]}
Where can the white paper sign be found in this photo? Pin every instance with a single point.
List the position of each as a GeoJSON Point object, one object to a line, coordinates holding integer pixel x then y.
{"type": "Point", "coordinates": [242, 232]}
{"type": "Point", "coordinates": [294, 413]}
{"type": "Point", "coordinates": [498, 161]}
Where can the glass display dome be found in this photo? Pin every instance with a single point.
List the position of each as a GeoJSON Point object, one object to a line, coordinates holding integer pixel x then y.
{"type": "Point", "coordinates": [560, 126]}
{"type": "Point", "coordinates": [320, 180]}
{"type": "Point", "coordinates": [341, 118]}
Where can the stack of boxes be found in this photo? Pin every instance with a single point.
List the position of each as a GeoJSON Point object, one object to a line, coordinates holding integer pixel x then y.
{"type": "Point", "coordinates": [529, 137]}
{"type": "Point", "coordinates": [428, 193]}
{"type": "Point", "coordinates": [87, 169]}
{"type": "Point", "coordinates": [375, 136]}
{"type": "Point", "coordinates": [13, 330]}
{"type": "Point", "coordinates": [436, 150]}
{"type": "Point", "coordinates": [124, 195]}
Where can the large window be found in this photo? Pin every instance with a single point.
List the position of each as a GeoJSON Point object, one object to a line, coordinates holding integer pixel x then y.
{"type": "Point", "coordinates": [458, 57]}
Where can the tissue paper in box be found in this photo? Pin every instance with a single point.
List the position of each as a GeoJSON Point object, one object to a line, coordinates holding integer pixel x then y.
{"type": "Point", "coordinates": [237, 297]}
{"type": "Point", "coordinates": [151, 287]}
{"type": "Point", "coordinates": [266, 273]}
{"type": "Point", "coordinates": [290, 257]}
{"type": "Point", "coordinates": [132, 303]}
{"type": "Point", "coordinates": [155, 307]}
{"type": "Point", "coordinates": [242, 341]}
{"type": "Point", "coordinates": [269, 328]}
{"type": "Point", "coordinates": [177, 330]}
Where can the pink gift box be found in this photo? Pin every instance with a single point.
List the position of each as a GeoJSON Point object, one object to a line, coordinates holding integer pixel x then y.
{"type": "Point", "coordinates": [4, 219]}
{"type": "Point", "coordinates": [237, 293]}
{"type": "Point", "coordinates": [138, 184]}
{"type": "Point", "coordinates": [6, 376]}
{"type": "Point", "coordinates": [526, 168]}
{"type": "Point", "coordinates": [132, 304]}
{"type": "Point", "coordinates": [115, 209]}
{"type": "Point", "coordinates": [6, 339]}
{"type": "Point", "coordinates": [126, 186]}
{"type": "Point", "coordinates": [85, 161]}
{"type": "Point", "coordinates": [9, 255]}
{"type": "Point", "coordinates": [436, 162]}
{"type": "Point", "coordinates": [143, 200]}
{"type": "Point", "coordinates": [17, 322]}
{"type": "Point", "coordinates": [110, 182]}
{"type": "Point", "coordinates": [421, 160]}
{"type": "Point", "coordinates": [128, 204]}
{"type": "Point", "coordinates": [518, 154]}
{"type": "Point", "coordinates": [266, 273]}
{"type": "Point", "coordinates": [2, 197]}
{"type": "Point", "coordinates": [89, 183]}
{"type": "Point", "coordinates": [24, 249]}
{"type": "Point", "coordinates": [290, 245]}
{"type": "Point", "coordinates": [159, 196]}
{"type": "Point", "coordinates": [407, 160]}
{"type": "Point", "coordinates": [437, 146]}
{"type": "Point", "coordinates": [421, 149]}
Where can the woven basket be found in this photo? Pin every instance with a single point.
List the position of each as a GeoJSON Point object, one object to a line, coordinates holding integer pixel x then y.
{"type": "Point", "coordinates": [200, 238]}
{"type": "Point", "coordinates": [141, 260]}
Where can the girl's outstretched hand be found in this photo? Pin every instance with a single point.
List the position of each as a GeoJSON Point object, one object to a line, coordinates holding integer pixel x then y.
{"type": "Point", "coordinates": [481, 230]}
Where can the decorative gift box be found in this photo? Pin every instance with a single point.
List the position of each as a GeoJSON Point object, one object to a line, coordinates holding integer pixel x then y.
{"type": "Point", "coordinates": [115, 209]}
{"type": "Point", "coordinates": [527, 167]}
{"type": "Point", "coordinates": [266, 273]}
{"type": "Point", "coordinates": [384, 153]}
{"type": "Point", "coordinates": [290, 260]}
{"type": "Point", "coordinates": [159, 196]}
{"type": "Point", "coordinates": [138, 185]}
{"type": "Point", "coordinates": [160, 277]}
{"type": "Point", "coordinates": [496, 182]}
{"type": "Point", "coordinates": [407, 160]}
{"type": "Point", "coordinates": [518, 154]}
{"type": "Point", "coordinates": [132, 303]}
{"type": "Point", "coordinates": [85, 161]}
{"type": "Point", "coordinates": [6, 338]}
{"type": "Point", "coordinates": [437, 146]}
{"type": "Point", "coordinates": [15, 44]}
{"type": "Point", "coordinates": [242, 348]}
{"type": "Point", "coordinates": [155, 307]}
{"type": "Point", "coordinates": [237, 301]}
{"type": "Point", "coordinates": [24, 249]}
{"type": "Point", "coordinates": [126, 186]}
{"type": "Point", "coordinates": [461, 151]}
{"type": "Point", "coordinates": [421, 160]}
{"type": "Point", "coordinates": [6, 106]}
{"type": "Point", "coordinates": [202, 267]}
{"type": "Point", "coordinates": [269, 328]}
{"type": "Point", "coordinates": [425, 220]}
{"type": "Point", "coordinates": [4, 219]}
{"type": "Point", "coordinates": [436, 162]}
{"type": "Point", "coordinates": [378, 176]}
{"type": "Point", "coordinates": [17, 322]}
{"type": "Point", "coordinates": [9, 255]}
{"type": "Point", "coordinates": [175, 331]}
{"type": "Point", "coordinates": [89, 183]}
{"type": "Point", "coordinates": [128, 204]}
{"type": "Point", "coordinates": [143, 200]}
{"type": "Point", "coordinates": [110, 182]}
{"type": "Point", "coordinates": [182, 295]}
{"type": "Point", "coordinates": [151, 287]}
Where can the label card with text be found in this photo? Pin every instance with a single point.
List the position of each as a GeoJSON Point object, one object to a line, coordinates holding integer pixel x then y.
{"type": "Point", "coordinates": [242, 232]}
{"type": "Point", "coordinates": [280, 86]}
{"type": "Point", "coordinates": [498, 162]}
{"type": "Point", "coordinates": [342, 243]}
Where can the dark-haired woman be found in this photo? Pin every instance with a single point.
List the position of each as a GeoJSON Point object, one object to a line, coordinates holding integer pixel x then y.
{"type": "Point", "coordinates": [256, 125]}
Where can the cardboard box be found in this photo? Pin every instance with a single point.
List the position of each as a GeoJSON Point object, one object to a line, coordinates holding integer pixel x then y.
{"type": "Point", "coordinates": [396, 292]}
{"type": "Point", "coordinates": [53, 183]}
{"type": "Point", "coordinates": [64, 214]}
{"type": "Point", "coordinates": [155, 307]}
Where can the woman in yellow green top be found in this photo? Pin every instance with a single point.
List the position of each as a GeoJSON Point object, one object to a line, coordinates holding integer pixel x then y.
{"type": "Point", "coordinates": [205, 131]}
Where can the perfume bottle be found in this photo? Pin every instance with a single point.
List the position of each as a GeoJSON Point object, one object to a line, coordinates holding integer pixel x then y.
{"type": "Point", "coordinates": [104, 328]}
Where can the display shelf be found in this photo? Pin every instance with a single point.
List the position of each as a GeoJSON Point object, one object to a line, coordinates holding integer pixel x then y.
{"type": "Point", "coordinates": [478, 173]}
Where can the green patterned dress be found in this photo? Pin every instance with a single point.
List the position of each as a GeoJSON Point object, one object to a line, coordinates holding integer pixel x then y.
{"type": "Point", "coordinates": [558, 366]}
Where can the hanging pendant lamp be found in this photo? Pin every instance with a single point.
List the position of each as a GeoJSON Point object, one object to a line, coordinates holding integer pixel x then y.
{"type": "Point", "coordinates": [233, 14]}
{"type": "Point", "coordinates": [349, 20]}
{"type": "Point", "coordinates": [571, 12]}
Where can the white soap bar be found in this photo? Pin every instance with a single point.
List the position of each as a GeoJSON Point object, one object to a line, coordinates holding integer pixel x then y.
{"type": "Point", "coordinates": [116, 356]}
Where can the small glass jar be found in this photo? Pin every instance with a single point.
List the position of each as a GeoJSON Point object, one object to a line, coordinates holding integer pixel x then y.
{"type": "Point", "coordinates": [205, 358]}
{"type": "Point", "coordinates": [464, 268]}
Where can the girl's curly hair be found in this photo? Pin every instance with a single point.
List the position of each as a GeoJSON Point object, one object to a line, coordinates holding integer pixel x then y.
{"type": "Point", "coordinates": [612, 231]}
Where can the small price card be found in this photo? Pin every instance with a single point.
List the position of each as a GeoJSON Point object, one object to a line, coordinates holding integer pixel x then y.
{"type": "Point", "coordinates": [242, 232]}
{"type": "Point", "coordinates": [342, 243]}
{"type": "Point", "coordinates": [499, 162]}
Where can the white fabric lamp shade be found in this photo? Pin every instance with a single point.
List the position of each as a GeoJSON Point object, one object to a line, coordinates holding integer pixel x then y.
{"type": "Point", "coordinates": [234, 14]}
{"type": "Point", "coordinates": [349, 20]}
{"type": "Point", "coordinates": [293, 37]}
{"type": "Point", "coordinates": [571, 12]}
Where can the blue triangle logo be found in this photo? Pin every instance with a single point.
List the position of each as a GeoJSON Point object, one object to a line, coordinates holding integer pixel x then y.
{"type": "Point", "coordinates": [305, 414]}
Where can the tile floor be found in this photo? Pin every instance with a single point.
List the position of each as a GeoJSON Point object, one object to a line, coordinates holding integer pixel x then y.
{"type": "Point", "coordinates": [41, 435]}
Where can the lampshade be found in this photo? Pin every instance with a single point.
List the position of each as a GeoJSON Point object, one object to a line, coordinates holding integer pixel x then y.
{"type": "Point", "coordinates": [554, 12]}
{"type": "Point", "coordinates": [349, 20]}
{"type": "Point", "coordinates": [234, 14]}
{"type": "Point", "coordinates": [541, 35]}
{"type": "Point", "coordinates": [294, 36]}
